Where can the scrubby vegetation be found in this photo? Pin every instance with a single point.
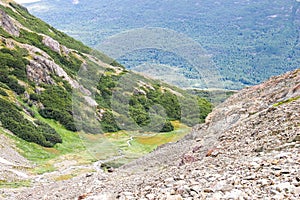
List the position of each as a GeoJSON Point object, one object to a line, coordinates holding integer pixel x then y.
{"type": "Point", "coordinates": [57, 104]}
{"type": "Point", "coordinates": [31, 131]}
{"type": "Point", "coordinates": [13, 66]}
{"type": "Point", "coordinates": [137, 106]}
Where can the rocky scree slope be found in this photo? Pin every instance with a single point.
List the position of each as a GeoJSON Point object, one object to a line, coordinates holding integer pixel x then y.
{"type": "Point", "coordinates": [249, 148]}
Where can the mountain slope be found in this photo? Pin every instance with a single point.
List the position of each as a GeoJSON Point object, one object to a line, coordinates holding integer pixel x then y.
{"type": "Point", "coordinates": [248, 148]}
{"type": "Point", "coordinates": [47, 73]}
{"type": "Point", "coordinates": [247, 41]}
{"type": "Point", "coordinates": [58, 97]}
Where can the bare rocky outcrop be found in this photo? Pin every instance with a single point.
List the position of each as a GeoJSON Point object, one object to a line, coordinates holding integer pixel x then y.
{"type": "Point", "coordinates": [55, 45]}
{"type": "Point", "coordinates": [8, 25]}
{"type": "Point", "coordinates": [52, 44]}
{"type": "Point", "coordinates": [40, 68]}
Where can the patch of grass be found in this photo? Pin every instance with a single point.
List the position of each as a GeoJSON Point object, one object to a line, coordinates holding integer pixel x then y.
{"type": "Point", "coordinates": [44, 168]}
{"type": "Point", "coordinates": [45, 158]}
{"type": "Point", "coordinates": [29, 150]}
{"type": "Point", "coordinates": [144, 143]}
{"type": "Point", "coordinates": [15, 184]}
{"type": "Point", "coordinates": [64, 177]}
{"type": "Point", "coordinates": [162, 138]}
{"type": "Point", "coordinates": [286, 101]}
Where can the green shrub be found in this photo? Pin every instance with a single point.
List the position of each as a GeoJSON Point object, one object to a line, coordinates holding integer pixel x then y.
{"type": "Point", "coordinates": [58, 106]}
{"type": "Point", "coordinates": [34, 97]}
{"type": "Point", "coordinates": [14, 121]}
{"type": "Point", "coordinates": [108, 122]}
{"type": "Point", "coordinates": [3, 93]}
{"type": "Point", "coordinates": [11, 82]}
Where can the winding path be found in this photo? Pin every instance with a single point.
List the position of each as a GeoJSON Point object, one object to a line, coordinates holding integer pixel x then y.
{"type": "Point", "coordinates": [128, 142]}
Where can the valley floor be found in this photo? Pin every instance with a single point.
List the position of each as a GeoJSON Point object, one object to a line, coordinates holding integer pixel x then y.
{"type": "Point", "coordinates": [249, 148]}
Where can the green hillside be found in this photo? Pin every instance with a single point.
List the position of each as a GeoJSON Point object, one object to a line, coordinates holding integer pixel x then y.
{"type": "Point", "coordinates": [47, 75]}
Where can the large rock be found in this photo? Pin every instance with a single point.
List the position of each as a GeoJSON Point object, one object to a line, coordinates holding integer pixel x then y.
{"type": "Point", "coordinates": [52, 44]}
{"type": "Point", "coordinates": [8, 25]}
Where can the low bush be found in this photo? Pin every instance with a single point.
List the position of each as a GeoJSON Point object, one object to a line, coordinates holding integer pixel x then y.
{"type": "Point", "coordinates": [36, 132]}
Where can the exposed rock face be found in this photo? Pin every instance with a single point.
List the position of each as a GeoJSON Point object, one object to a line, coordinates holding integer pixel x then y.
{"type": "Point", "coordinates": [247, 149]}
{"type": "Point", "coordinates": [52, 44]}
{"type": "Point", "coordinates": [8, 25]}
{"type": "Point", "coordinates": [39, 72]}
{"type": "Point", "coordinates": [40, 68]}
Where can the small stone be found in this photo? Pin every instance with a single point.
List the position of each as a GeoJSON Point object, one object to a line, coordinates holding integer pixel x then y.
{"type": "Point", "coordinates": [208, 190]}
{"type": "Point", "coordinates": [196, 188]}
{"type": "Point", "coordinates": [276, 168]}
{"type": "Point", "coordinates": [234, 194]}
{"type": "Point", "coordinates": [169, 180]}
{"type": "Point", "coordinates": [263, 182]}
{"type": "Point", "coordinates": [278, 196]}
{"type": "Point", "coordinates": [215, 153]}
{"type": "Point", "coordinates": [285, 172]}
{"type": "Point", "coordinates": [180, 191]}
{"type": "Point", "coordinates": [282, 155]}
{"type": "Point", "coordinates": [249, 178]}
{"type": "Point", "coordinates": [277, 173]}
{"type": "Point", "coordinates": [274, 162]}
{"type": "Point", "coordinates": [297, 138]}
{"type": "Point", "coordinates": [259, 149]}
{"type": "Point", "coordinates": [284, 187]}
{"type": "Point", "coordinates": [273, 192]}
{"type": "Point", "coordinates": [180, 183]}
{"type": "Point", "coordinates": [102, 196]}
{"type": "Point", "coordinates": [174, 197]}
{"type": "Point", "coordinates": [186, 188]}
{"type": "Point", "coordinates": [193, 193]}
{"type": "Point", "coordinates": [127, 193]}
{"type": "Point", "coordinates": [297, 191]}
{"type": "Point", "coordinates": [218, 195]}
{"type": "Point", "coordinates": [151, 196]}
{"type": "Point", "coordinates": [172, 192]}
{"type": "Point", "coordinates": [212, 153]}
{"type": "Point", "coordinates": [255, 165]}
{"type": "Point", "coordinates": [148, 187]}
{"type": "Point", "coordinates": [222, 186]}
{"type": "Point", "coordinates": [195, 149]}
{"type": "Point", "coordinates": [226, 188]}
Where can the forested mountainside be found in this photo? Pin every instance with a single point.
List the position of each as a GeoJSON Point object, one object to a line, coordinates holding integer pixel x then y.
{"type": "Point", "coordinates": [47, 74]}
{"type": "Point", "coordinates": [246, 41]}
{"type": "Point", "coordinates": [247, 149]}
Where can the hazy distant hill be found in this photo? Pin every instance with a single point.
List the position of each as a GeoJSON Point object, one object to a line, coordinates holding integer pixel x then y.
{"type": "Point", "coordinates": [248, 41]}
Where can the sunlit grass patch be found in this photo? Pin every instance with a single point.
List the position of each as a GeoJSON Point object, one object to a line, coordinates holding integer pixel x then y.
{"type": "Point", "coordinates": [15, 184]}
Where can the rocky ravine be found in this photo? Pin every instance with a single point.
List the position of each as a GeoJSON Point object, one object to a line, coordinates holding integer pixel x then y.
{"type": "Point", "coordinates": [249, 148]}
